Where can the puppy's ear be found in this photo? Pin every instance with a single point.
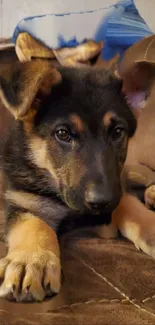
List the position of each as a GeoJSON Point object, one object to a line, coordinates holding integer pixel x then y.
{"type": "Point", "coordinates": [137, 83]}
{"type": "Point", "coordinates": [21, 82]}
{"type": "Point", "coordinates": [27, 48]}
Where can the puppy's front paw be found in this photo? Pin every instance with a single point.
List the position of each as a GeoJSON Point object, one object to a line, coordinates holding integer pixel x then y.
{"type": "Point", "coordinates": [29, 276]}
{"type": "Point", "coordinates": [150, 197]}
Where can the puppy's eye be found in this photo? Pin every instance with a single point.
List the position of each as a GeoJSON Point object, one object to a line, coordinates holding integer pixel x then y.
{"type": "Point", "coordinates": [117, 132]}
{"type": "Point", "coordinates": [63, 135]}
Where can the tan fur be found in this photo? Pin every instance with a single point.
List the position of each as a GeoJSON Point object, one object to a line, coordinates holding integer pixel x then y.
{"type": "Point", "coordinates": [107, 119]}
{"type": "Point", "coordinates": [79, 54]}
{"type": "Point", "coordinates": [125, 221]}
{"type": "Point", "coordinates": [22, 199]}
{"type": "Point", "coordinates": [40, 234]}
{"type": "Point", "coordinates": [142, 75]}
{"type": "Point", "coordinates": [38, 150]}
{"type": "Point", "coordinates": [27, 47]}
{"type": "Point", "coordinates": [79, 124]}
{"type": "Point", "coordinates": [35, 76]}
{"type": "Point", "coordinates": [33, 247]}
{"type": "Point", "coordinates": [134, 220]}
{"type": "Point", "coordinates": [136, 223]}
{"type": "Point", "coordinates": [39, 155]}
{"type": "Point", "coordinates": [150, 197]}
{"type": "Point", "coordinates": [142, 50]}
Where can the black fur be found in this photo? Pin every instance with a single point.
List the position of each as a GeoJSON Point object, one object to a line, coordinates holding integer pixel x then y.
{"type": "Point", "coordinates": [89, 93]}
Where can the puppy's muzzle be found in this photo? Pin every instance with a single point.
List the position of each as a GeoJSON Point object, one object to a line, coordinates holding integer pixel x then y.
{"type": "Point", "coordinates": [98, 198]}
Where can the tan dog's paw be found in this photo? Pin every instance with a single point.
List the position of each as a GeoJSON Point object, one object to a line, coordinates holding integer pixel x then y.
{"type": "Point", "coordinates": [29, 276]}
{"type": "Point", "coordinates": [145, 239]}
{"type": "Point", "coordinates": [149, 197]}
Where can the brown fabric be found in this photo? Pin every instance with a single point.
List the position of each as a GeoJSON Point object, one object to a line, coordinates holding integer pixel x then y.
{"type": "Point", "coordinates": [105, 281]}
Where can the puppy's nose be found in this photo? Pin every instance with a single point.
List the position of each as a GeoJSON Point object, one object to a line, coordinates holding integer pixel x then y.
{"type": "Point", "coordinates": [95, 197]}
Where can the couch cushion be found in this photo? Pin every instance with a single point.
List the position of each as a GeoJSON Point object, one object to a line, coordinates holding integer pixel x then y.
{"type": "Point", "coordinates": [105, 282]}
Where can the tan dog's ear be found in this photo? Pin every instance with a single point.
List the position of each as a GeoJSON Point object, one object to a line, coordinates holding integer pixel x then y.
{"type": "Point", "coordinates": [137, 82]}
{"type": "Point", "coordinates": [27, 48]}
{"type": "Point", "coordinates": [139, 76]}
{"type": "Point", "coordinates": [79, 55]}
{"type": "Point", "coordinates": [20, 83]}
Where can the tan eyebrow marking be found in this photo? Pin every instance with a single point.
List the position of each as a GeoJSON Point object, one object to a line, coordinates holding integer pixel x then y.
{"type": "Point", "coordinates": [79, 124]}
{"type": "Point", "coordinates": [107, 119]}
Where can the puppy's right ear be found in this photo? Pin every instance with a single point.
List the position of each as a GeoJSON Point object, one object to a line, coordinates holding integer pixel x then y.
{"type": "Point", "coordinates": [21, 82]}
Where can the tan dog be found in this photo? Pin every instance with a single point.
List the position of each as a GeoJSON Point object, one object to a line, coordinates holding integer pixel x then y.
{"type": "Point", "coordinates": [28, 48]}
{"type": "Point", "coordinates": [88, 53]}
{"type": "Point", "coordinates": [131, 217]}
{"type": "Point", "coordinates": [134, 220]}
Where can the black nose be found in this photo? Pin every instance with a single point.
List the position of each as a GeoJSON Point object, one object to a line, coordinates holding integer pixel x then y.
{"type": "Point", "coordinates": [95, 197]}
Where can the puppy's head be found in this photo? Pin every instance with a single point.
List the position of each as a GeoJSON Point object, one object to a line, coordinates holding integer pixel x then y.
{"type": "Point", "coordinates": [77, 124]}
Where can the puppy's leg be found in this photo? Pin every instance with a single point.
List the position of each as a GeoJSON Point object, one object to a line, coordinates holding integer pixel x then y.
{"type": "Point", "coordinates": [31, 270]}
{"type": "Point", "coordinates": [136, 223]}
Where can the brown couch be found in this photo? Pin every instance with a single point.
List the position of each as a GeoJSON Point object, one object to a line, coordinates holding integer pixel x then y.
{"type": "Point", "coordinates": [106, 281]}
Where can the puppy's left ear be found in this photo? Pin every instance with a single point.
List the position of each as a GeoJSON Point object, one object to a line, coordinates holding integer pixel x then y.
{"type": "Point", "coordinates": [137, 83]}
{"type": "Point", "coordinates": [22, 84]}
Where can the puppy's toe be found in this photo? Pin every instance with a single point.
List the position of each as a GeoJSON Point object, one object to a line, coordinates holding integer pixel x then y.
{"type": "Point", "coordinates": [32, 288]}
{"type": "Point", "coordinates": [52, 279]}
{"type": "Point", "coordinates": [30, 276]}
{"type": "Point", "coordinates": [3, 264]}
{"type": "Point", "coordinates": [12, 279]}
{"type": "Point", "coordinates": [150, 197]}
{"type": "Point", "coordinates": [41, 280]}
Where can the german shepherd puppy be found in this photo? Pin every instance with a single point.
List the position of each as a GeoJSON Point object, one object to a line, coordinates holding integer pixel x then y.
{"type": "Point", "coordinates": [62, 163]}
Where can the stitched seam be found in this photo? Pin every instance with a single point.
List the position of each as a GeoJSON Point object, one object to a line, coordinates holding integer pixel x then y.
{"type": "Point", "coordinates": [125, 299]}
{"type": "Point", "coordinates": [92, 301]}
{"type": "Point", "coordinates": [131, 301]}
{"type": "Point", "coordinates": [148, 299]}
{"type": "Point", "coordinates": [149, 45]}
